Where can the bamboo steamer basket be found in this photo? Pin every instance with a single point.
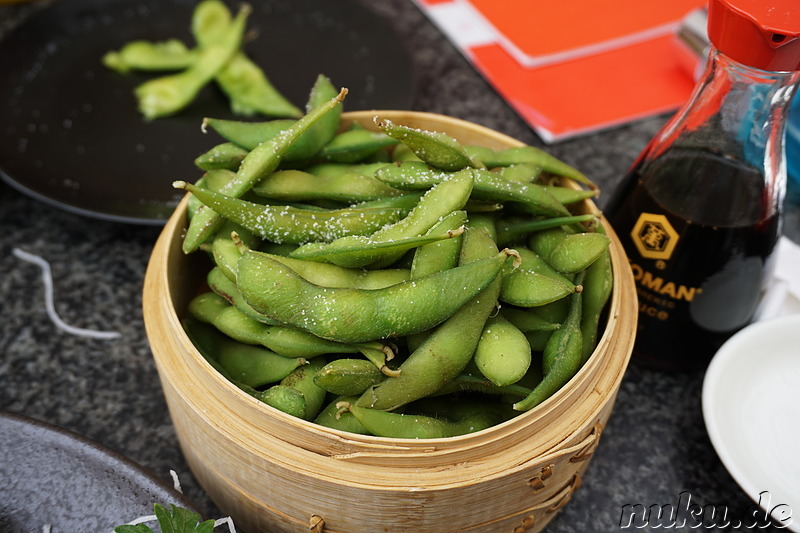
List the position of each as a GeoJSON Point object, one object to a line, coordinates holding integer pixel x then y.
{"type": "Point", "coordinates": [272, 472]}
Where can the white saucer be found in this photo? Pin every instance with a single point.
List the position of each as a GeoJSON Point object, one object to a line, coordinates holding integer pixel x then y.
{"type": "Point", "coordinates": [751, 407]}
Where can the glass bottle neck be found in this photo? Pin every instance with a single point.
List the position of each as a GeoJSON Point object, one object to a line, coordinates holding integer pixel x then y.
{"type": "Point", "coordinates": [736, 110]}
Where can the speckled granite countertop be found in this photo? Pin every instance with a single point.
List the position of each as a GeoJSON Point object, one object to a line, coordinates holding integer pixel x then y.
{"type": "Point", "coordinates": [654, 447]}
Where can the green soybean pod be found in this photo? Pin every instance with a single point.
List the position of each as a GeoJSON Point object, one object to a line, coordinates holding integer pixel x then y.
{"type": "Point", "coordinates": [327, 275]}
{"type": "Point", "coordinates": [285, 341]}
{"type": "Point", "coordinates": [297, 185]}
{"type": "Point", "coordinates": [526, 288]}
{"type": "Point", "coordinates": [527, 155]}
{"type": "Point", "coordinates": [171, 54]}
{"type": "Point", "coordinates": [437, 149]}
{"type": "Point", "coordinates": [561, 358]}
{"type": "Point", "coordinates": [449, 348]}
{"type": "Point", "coordinates": [247, 135]}
{"type": "Point", "coordinates": [222, 286]}
{"type": "Point", "coordinates": [356, 251]}
{"type": "Point", "coordinates": [578, 251]}
{"type": "Point", "coordinates": [438, 202]}
{"type": "Point", "coordinates": [253, 366]}
{"type": "Point", "coordinates": [287, 399]}
{"type": "Point", "coordinates": [334, 417]}
{"type": "Point", "coordinates": [355, 315]}
{"type": "Point", "coordinates": [302, 379]}
{"type": "Point", "coordinates": [410, 426]}
{"type": "Point", "coordinates": [355, 145]}
{"type": "Point", "coordinates": [243, 81]}
{"type": "Point", "coordinates": [568, 195]}
{"type": "Point", "coordinates": [440, 255]}
{"type": "Point", "coordinates": [333, 170]}
{"type": "Point", "coordinates": [259, 162]}
{"type": "Point", "coordinates": [348, 377]}
{"type": "Point", "coordinates": [597, 286]}
{"type": "Point", "coordinates": [226, 156]}
{"type": "Point", "coordinates": [528, 321]}
{"type": "Point", "coordinates": [503, 354]}
{"type": "Point", "coordinates": [510, 230]}
{"type": "Point", "coordinates": [286, 224]}
{"type": "Point", "coordinates": [437, 257]}
{"type": "Point", "coordinates": [169, 94]}
{"type": "Point", "coordinates": [226, 251]}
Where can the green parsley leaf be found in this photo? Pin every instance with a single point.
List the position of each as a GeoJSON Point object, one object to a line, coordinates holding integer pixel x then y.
{"type": "Point", "coordinates": [180, 520]}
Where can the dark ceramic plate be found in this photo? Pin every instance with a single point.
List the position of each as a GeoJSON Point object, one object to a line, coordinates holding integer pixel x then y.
{"type": "Point", "coordinates": [52, 477]}
{"type": "Point", "coordinates": [70, 133]}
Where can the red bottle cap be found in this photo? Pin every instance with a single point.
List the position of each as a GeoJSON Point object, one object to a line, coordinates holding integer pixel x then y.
{"type": "Point", "coordinates": [763, 34]}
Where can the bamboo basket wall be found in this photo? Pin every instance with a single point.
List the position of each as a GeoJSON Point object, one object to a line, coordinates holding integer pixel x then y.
{"type": "Point", "coordinates": [275, 473]}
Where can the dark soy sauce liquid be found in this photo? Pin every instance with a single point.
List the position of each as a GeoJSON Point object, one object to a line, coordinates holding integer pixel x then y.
{"type": "Point", "coordinates": [710, 285]}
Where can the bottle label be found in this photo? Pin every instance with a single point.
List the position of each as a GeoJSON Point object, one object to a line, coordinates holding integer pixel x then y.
{"type": "Point", "coordinates": [654, 236]}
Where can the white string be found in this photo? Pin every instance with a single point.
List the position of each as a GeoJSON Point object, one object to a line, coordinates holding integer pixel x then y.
{"type": "Point", "coordinates": [228, 521]}
{"type": "Point", "coordinates": [175, 481]}
{"type": "Point", "coordinates": [47, 278]}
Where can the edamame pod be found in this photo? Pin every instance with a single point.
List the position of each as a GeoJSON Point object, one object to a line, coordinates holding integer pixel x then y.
{"type": "Point", "coordinates": [171, 54]}
{"type": "Point", "coordinates": [243, 81]}
{"type": "Point", "coordinates": [348, 377]}
{"type": "Point", "coordinates": [358, 251]}
{"type": "Point", "coordinates": [253, 366]}
{"type": "Point", "coordinates": [296, 185]}
{"type": "Point", "coordinates": [355, 145]}
{"type": "Point", "coordinates": [227, 156]}
{"type": "Point", "coordinates": [449, 348]}
{"type": "Point", "coordinates": [301, 379]}
{"type": "Point", "coordinates": [529, 155]}
{"type": "Point", "coordinates": [503, 354]}
{"type": "Point", "coordinates": [561, 359]}
{"type": "Point", "coordinates": [222, 286]}
{"type": "Point", "coordinates": [169, 94]}
{"type": "Point", "coordinates": [260, 162]}
{"type": "Point", "coordinates": [438, 202]}
{"type": "Point", "coordinates": [285, 341]}
{"type": "Point", "coordinates": [437, 149]}
{"type": "Point", "coordinates": [409, 426]}
{"type": "Point", "coordinates": [568, 253]}
{"type": "Point", "coordinates": [354, 315]}
{"type": "Point", "coordinates": [335, 418]}
{"type": "Point", "coordinates": [597, 286]}
{"type": "Point", "coordinates": [526, 288]}
{"type": "Point", "coordinates": [286, 224]}
{"type": "Point", "coordinates": [412, 175]}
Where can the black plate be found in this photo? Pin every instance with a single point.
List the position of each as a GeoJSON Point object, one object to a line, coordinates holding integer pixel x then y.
{"type": "Point", "coordinates": [70, 133]}
{"type": "Point", "coordinates": [54, 477]}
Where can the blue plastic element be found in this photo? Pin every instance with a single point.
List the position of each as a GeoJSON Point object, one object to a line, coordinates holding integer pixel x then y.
{"type": "Point", "coordinates": [793, 151]}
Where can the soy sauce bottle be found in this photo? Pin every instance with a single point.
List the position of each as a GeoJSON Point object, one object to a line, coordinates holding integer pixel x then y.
{"type": "Point", "coordinates": [699, 212]}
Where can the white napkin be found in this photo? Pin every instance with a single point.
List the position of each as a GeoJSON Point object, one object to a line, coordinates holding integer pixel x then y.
{"type": "Point", "coordinates": [782, 296]}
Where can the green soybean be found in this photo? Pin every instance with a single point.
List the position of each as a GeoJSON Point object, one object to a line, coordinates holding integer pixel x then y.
{"type": "Point", "coordinates": [259, 162]}
{"type": "Point", "coordinates": [409, 426]}
{"type": "Point", "coordinates": [526, 155]}
{"type": "Point", "coordinates": [169, 94]}
{"type": "Point", "coordinates": [297, 185]}
{"type": "Point", "coordinates": [435, 148]}
{"type": "Point", "coordinates": [355, 315]}
{"type": "Point", "coordinates": [282, 224]}
{"type": "Point", "coordinates": [503, 354]}
{"type": "Point", "coordinates": [355, 145]}
{"type": "Point", "coordinates": [227, 156]}
{"type": "Point", "coordinates": [349, 377]}
{"type": "Point", "coordinates": [449, 348]}
{"type": "Point", "coordinates": [334, 417]}
{"type": "Point", "coordinates": [561, 358]}
{"type": "Point", "coordinates": [242, 80]}
{"type": "Point", "coordinates": [171, 54]}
